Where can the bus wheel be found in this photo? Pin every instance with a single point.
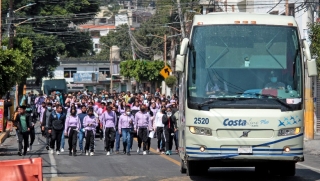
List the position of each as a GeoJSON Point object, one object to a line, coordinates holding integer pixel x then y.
{"type": "Point", "coordinates": [192, 169]}
{"type": "Point", "coordinates": [289, 169]}
{"type": "Point", "coordinates": [183, 168]}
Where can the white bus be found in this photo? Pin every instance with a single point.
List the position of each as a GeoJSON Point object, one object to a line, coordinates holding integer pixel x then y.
{"type": "Point", "coordinates": [241, 93]}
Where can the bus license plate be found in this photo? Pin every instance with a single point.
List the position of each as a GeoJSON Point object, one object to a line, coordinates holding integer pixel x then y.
{"type": "Point", "coordinates": [245, 149]}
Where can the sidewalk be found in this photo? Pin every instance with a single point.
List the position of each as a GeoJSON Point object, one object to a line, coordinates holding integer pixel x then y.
{"type": "Point", "coordinates": [312, 147]}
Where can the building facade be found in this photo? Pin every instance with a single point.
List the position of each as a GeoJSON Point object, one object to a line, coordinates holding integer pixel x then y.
{"type": "Point", "coordinates": [92, 75]}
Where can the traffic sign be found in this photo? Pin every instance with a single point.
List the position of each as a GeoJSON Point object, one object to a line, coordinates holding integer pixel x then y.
{"type": "Point", "coordinates": [165, 72]}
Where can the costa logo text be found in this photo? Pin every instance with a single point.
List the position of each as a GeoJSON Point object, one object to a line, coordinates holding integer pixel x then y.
{"type": "Point", "coordinates": [229, 122]}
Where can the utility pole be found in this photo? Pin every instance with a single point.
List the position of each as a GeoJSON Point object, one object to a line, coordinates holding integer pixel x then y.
{"type": "Point", "coordinates": [181, 20]}
{"type": "Point", "coordinates": [287, 7]}
{"type": "Point", "coordinates": [111, 70]}
{"type": "Point", "coordinates": [165, 50]}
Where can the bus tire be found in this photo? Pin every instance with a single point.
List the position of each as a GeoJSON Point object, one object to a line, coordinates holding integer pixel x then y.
{"type": "Point", "coordinates": [192, 169]}
{"type": "Point", "coordinates": [289, 169]}
{"type": "Point", "coordinates": [183, 168]}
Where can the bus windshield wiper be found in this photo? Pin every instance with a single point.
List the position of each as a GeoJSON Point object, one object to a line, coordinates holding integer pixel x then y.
{"type": "Point", "coordinates": [274, 98]}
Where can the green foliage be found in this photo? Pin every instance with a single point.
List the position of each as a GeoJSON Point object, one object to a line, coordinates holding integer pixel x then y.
{"type": "Point", "coordinates": [50, 32]}
{"type": "Point", "coordinates": [171, 81]}
{"type": "Point", "coordinates": [16, 64]}
{"type": "Point", "coordinates": [142, 70]}
{"type": "Point", "coordinates": [315, 42]}
{"type": "Point", "coordinates": [119, 38]}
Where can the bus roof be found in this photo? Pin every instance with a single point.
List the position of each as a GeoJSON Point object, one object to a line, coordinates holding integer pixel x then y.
{"type": "Point", "coordinates": [243, 18]}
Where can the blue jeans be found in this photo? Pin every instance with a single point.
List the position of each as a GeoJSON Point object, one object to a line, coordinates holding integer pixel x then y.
{"type": "Point", "coordinates": [62, 140]}
{"type": "Point", "coordinates": [117, 141]}
{"type": "Point", "coordinates": [80, 137]}
{"type": "Point", "coordinates": [126, 138]}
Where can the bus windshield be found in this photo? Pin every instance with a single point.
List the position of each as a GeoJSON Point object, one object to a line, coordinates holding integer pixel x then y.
{"type": "Point", "coordinates": [247, 62]}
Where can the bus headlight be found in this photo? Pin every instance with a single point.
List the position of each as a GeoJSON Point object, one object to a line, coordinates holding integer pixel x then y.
{"type": "Point", "coordinates": [289, 131]}
{"type": "Point", "coordinates": [200, 130]}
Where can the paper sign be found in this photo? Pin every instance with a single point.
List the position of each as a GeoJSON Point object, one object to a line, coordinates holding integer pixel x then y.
{"type": "Point", "coordinates": [293, 100]}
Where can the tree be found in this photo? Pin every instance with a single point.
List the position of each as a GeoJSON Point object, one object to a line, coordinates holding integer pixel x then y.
{"type": "Point", "coordinates": [16, 64]}
{"type": "Point", "coordinates": [142, 70]}
{"type": "Point", "coordinates": [51, 32]}
{"type": "Point", "coordinates": [171, 81]}
{"type": "Point", "coordinates": [120, 38]}
{"type": "Point", "coordinates": [314, 36]}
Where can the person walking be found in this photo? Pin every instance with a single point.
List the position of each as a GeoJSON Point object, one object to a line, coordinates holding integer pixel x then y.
{"type": "Point", "coordinates": [159, 130]}
{"type": "Point", "coordinates": [142, 125]}
{"type": "Point", "coordinates": [45, 123]}
{"type": "Point", "coordinates": [72, 127]}
{"type": "Point", "coordinates": [109, 119]}
{"type": "Point", "coordinates": [168, 130]}
{"type": "Point", "coordinates": [23, 124]}
{"type": "Point", "coordinates": [56, 124]}
{"type": "Point", "coordinates": [126, 122]}
{"type": "Point", "coordinates": [90, 123]}
{"type": "Point", "coordinates": [81, 133]}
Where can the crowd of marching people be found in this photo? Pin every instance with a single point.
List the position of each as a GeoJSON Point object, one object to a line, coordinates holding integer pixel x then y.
{"type": "Point", "coordinates": [83, 115]}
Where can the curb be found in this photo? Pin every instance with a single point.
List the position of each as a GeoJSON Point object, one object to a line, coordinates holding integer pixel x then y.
{"type": "Point", "coordinates": [4, 135]}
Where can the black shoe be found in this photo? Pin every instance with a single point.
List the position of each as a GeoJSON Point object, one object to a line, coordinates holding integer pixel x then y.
{"type": "Point", "coordinates": [24, 153]}
{"type": "Point", "coordinates": [124, 152]}
{"type": "Point", "coordinates": [47, 147]}
{"type": "Point", "coordinates": [74, 153]}
{"type": "Point", "coordinates": [70, 154]}
{"type": "Point", "coordinates": [128, 154]}
{"type": "Point", "coordinates": [19, 153]}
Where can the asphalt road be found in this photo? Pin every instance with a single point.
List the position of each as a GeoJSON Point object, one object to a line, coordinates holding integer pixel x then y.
{"type": "Point", "coordinates": [137, 167]}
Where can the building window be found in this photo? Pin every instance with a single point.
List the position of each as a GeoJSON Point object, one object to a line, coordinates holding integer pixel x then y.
{"type": "Point", "coordinates": [105, 71]}
{"type": "Point", "coordinates": [68, 72]}
{"type": "Point", "coordinates": [96, 45]}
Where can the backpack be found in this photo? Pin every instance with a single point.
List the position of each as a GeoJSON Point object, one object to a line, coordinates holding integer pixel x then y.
{"type": "Point", "coordinates": [57, 124]}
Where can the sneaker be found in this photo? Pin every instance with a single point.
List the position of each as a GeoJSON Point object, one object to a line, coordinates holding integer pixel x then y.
{"type": "Point", "coordinates": [91, 153]}
{"type": "Point", "coordinates": [70, 153]}
{"type": "Point", "coordinates": [117, 152]}
{"type": "Point", "coordinates": [167, 153]}
{"type": "Point", "coordinates": [177, 151]}
{"type": "Point", "coordinates": [24, 153]}
{"type": "Point", "coordinates": [87, 153]}
{"type": "Point", "coordinates": [30, 148]}
{"type": "Point", "coordinates": [19, 153]}
{"type": "Point", "coordinates": [51, 151]}
{"type": "Point", "coordinates": [80, 153]}
{"type": "Point", "coordinates": [108, 153]}
{"type": "Point", "coordinates": [128, 154]}
{"type": "Point", "coordinates": [144, 152]}
{"type": "Point", "coordinates": [138, 150]}
{"type": "Point", "coordinates": [47, 147]}
{"type": "Point", "coordinates": [111, 150]}
{"type": "Point", "coordinates": [170, 152]}
{"type": "Point", "coordinates": [74, 153]}
{"type": "Point", "coordinates": [162, 152]}
{"type": "Point", "coordinates": [158, 150]}
{"type": "Point", "coordinates": [62, 150]}
{"type": "Point", "coordinates": [58, 152]}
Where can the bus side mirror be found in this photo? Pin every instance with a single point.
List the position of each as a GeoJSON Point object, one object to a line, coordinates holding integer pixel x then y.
{"type": "Point", "coordinates": [311, 63]}
{"type": "Point", "coordinates": [312, 67]}
{"type": "Point", "coordinates": [180, 59]}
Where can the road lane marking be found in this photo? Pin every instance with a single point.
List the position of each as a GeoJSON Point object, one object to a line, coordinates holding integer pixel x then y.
{"type": "Point", "coordinates": [311, 168]}
{"type": "Point", "coordinates": [54, 172]}
{"type": "Point", "coordinates": [163, 156]}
